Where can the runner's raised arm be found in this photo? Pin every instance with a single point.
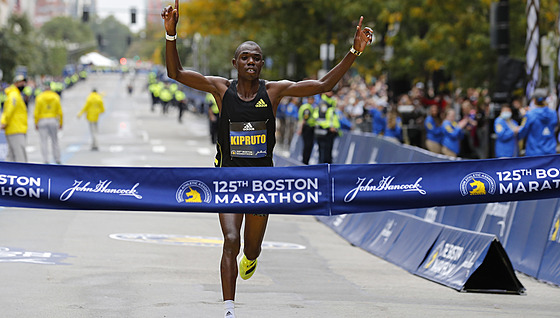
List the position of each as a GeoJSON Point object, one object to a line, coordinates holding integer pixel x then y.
{"type": "Point", "coordinates": [211, 84]}
{"type": "Point", "coordinates": [278, 90]}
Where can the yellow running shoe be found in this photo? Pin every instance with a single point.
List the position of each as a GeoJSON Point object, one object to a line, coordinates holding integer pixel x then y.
{"type": "Point", "coordinates": [247, 267]}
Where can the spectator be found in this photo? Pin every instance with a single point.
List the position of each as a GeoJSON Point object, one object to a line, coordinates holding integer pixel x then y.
{"type": "Point", "coordinates": [469, 142]}
{"type": "Point", "coordinates": [345, 123]}
{"type": "Point", "coordinates": [291, 120]}
{"type": "Point", "coordinates": [452, 133]}
{"type": "Point", "coordinates": [393, 130]}
{"type": "Point", "coordinates": [378, 118]}
{"type": "Point", "coordinates": [281, 120]}
{"type": "Point", "coordinates": [434, 130]}
{"type": "Point", "coordinates": [506, 130]}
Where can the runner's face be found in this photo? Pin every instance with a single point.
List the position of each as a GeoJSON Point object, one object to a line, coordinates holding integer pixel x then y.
{"type": "Point", "coordinates": [249, 62]}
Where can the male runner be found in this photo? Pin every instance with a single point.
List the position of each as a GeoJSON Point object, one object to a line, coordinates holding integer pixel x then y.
{"type": "Point", "coordinates": [247, 106]}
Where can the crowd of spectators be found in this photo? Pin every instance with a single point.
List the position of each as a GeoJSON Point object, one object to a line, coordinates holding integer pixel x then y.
{"type": "Point", "coordinates": [461, 123]}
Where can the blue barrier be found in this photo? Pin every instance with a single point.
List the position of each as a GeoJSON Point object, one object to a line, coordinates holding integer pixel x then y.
{"type": "Point", "coordinates": [414, 242]}
{"type": "Point", "coordinates": [461, 259]}
{"type": "Point", "coordinates": [549, 270]}
{"type": "Point", "coordinates": [470, 261]}
{"type": "Point", "coordinates": [3, 146]}
{"type": "Point", "coordinates": [528, 235]}
{"type": "Point", "coordinates": [519, 225]}
{"type": "Point", "coordinates": [327, 190]}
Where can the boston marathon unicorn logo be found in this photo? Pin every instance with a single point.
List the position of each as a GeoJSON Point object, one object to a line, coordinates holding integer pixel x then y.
{"type": "Point", "coordinates": [193, 196]}
{"type": "Point", "coordinates": [554, 235]}
{"type": "Point", "coordinates": [477, 183]}
{"type": "Point", "coordinates": [478, 188]}
{"type": "Point", "coordinates": [193, 191]}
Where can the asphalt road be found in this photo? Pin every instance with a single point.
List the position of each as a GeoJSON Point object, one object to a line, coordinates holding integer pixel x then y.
{"type": "Point", "coordinates": [140, 264]}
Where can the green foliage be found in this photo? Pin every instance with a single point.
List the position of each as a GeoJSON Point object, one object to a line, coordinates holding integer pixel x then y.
{"type": "Point", "coordinates": [18, 47]}
{"type": "Point", "coordinates": [64, 40]}
{"type": "Point", "coordinates": [424, 36]}
{"type": "Point", "coordinates": [114, 36]}
{"type": "Point", "coordinates": [67, 29]}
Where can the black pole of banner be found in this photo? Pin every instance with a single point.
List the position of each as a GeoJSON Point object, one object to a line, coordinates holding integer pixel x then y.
{"type": "Point", "coordinates": [502, 27]}
{"type": "Point", "coordinates": [499, 40]}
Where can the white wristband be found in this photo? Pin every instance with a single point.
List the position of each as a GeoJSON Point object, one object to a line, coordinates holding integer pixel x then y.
{"type": "Point", "coordinates": [170, 37]}
{"type": "Point", "coordinates": [355, 52]}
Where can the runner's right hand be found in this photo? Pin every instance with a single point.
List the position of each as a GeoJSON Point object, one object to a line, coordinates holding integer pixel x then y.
{"type": "Point", "coordinates": [170, 16]}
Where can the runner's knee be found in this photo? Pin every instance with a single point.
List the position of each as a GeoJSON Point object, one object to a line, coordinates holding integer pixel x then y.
{"type": "Point", "coordinates": [232, 243]}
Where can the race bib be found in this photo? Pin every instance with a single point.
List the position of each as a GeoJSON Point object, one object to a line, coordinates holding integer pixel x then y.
{"type": "Point", "coordinates": [248, 139]}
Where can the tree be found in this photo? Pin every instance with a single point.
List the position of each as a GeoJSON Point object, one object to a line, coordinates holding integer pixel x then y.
{"type": "Point", "coordinates": [415, 38]}
{"type": "Point", "coordinates": [18, 47]}
{"type": "Point", "coordinates": [289, 31]}
{"type": "Point", "coordinates": [114, 36]}
{"type": "Point", "coordinates": [65, 39]}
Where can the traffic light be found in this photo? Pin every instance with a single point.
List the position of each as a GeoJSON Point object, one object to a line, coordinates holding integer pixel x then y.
{"type": "Point", "coordinates": [133, 16]}
{"type": "Point", "coordinates": [85, 14]}
{"type": "Point", "coordinates": [100, 40]}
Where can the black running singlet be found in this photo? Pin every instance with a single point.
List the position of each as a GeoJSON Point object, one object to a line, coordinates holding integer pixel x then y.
{"type": "Point", "coordinates": [246, 130]}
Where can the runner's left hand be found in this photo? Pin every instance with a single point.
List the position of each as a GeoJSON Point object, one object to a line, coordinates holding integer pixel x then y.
{"type": "Point", "coordinates": [363, 36]}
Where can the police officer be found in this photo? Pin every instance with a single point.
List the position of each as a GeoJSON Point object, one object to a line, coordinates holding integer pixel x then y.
{"type": "Point", "coordinates": [181, 101]}
{"type": "Point", "coordinates": [213, 114]}
{"type": "Point", "coordinates": [48, 120]}
{"type": "Point", "coordinates": [326, 127]}
{"type": "Point", "coordinates": [14, 120]}
{"type": "Point", "coordinates": [166, 97]}
{"type": "Point", "coordinates": [307, 128]}
{"type": "Point", "coordinates": [154, 89]}
{"type": "Point", "coordinates": [3, 97]}
{"type": "Point", "coordinates": [27, 94]}
{"type": "Point", "coordinates": [93, 107]}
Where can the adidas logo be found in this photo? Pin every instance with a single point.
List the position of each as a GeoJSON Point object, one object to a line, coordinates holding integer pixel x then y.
{"type": "Point", "coordinates": [248, 126]}
{"type": "Point", "coordinates": [261, 103]}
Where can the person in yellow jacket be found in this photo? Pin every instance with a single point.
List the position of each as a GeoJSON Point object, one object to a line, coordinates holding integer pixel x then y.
{"type": "Point", "coordinates": [14, 120]}
{"type": "Point", "coordinates": [93, 108]}
{"type": "Point", "coordinates": [326, 126]}
{"type": "Point", "coordinates": [165, 97]}
{"type": "Point", "coordinates": [213, 115]}
{"type": "Point", "coordinates": [48, 120]}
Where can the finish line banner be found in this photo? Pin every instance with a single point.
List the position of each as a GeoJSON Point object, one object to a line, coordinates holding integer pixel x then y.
{"type": "Point", "coordinates": [382, 187]}
{"type": "Point", "coordinates": [305, 190]}
{"type": "Point", "coordinates": [298, 190]}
